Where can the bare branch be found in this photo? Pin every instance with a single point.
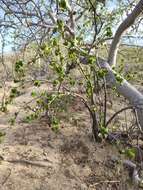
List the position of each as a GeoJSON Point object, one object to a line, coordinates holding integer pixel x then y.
{"type": "Point", "coordinates": [129, 21]}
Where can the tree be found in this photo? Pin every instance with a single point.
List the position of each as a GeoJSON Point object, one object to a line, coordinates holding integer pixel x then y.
{"type": "Point", "coordinates": [76, 28]}
{"type": "Point", "coordinates": [127, 90]}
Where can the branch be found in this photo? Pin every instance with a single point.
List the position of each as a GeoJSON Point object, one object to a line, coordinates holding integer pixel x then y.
{"type": "Point", "coordinates": [118, 112]}
{"type": "Point", "coordinates": [129, 21]}
{"type": "Point", "coordinates": [133, 172]}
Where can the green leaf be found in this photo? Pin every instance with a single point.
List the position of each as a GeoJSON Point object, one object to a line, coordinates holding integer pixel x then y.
{"type": "Point", "coordinates": [55, 42]}
{"type": "Point", "coordinates": [118, 78]}
{"type": "Point", "coordinates": [55, 125]}
{"type": "Point", "coordinates": [130, 153]}
{"type": "Point", "coordinates": [92, 60]}
{"type": "Point", "coordinates": [64, 4]}
{"type": "Point", "coordinates": [55, 83]}
{"type": "Point", "coordinates": [19, 66]}
{"type": "Point", "coordinates": [108, 32]}
{"type": "Point", "coordinates": [37, 83]}
{"type": "Point", "coordinates": [33, 94]}
{"type": "Point", "coordinates": [89, 88]}
{"type": "Point", "coordinates": [104, 131]}
{"type": "Point", "coordinates": [55, 30]}
{"type": "Point", "coordinates": [101, 73]}
{"type": "Point", "coordinates": [14, 92]}
{"type": "Point", "coordinates": [72, 82]}
{"type": "Point", "coordinates": [16, 81]}
{"type": "Point", "coordinates": [43, 46]}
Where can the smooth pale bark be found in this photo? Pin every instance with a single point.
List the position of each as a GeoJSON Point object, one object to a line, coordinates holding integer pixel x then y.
{"type": "Point", "coordinates": [125, 89]}
{"type": "Point", "coordinates": [129, 21]}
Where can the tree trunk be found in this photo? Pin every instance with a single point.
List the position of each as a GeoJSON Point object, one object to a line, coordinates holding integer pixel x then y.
{"type": "Point", "coordinates": [126, 89]}
{"type": "Point", "coordinates": [95, 127]}
{"type": "Point", "coordinates": [129, 21]}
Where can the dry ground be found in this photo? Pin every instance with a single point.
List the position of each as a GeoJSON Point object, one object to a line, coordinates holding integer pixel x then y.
{"type": "Point", "coordinates": [33, 157]}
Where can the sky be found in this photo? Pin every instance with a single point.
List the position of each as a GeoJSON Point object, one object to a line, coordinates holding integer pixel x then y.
{"type": "Point", "coordinates": [137, 41]}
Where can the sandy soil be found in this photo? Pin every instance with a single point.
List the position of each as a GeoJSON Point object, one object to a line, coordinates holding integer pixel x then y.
{"type": "Point", "coordinates": [33, 157]}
